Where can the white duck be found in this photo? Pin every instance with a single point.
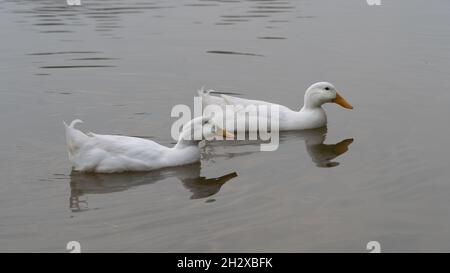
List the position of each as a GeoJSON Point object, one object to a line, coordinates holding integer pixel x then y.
{"type": "Point", "coordinates": [310, 116]}
{"type": "Point", "coordinates": [113, 153]}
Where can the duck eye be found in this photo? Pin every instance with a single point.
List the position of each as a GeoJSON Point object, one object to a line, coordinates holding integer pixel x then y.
{"type": "Point", "coordinates": [327, 88]}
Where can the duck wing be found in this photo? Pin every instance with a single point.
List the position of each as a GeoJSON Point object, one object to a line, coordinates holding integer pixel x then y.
{"type": "Point", "coordinates": [230, 100]}
{"type": "Point", "coordinates": [241, 104]}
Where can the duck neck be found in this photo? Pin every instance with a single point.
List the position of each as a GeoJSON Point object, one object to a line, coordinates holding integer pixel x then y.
{"type": "Point", "coordinates": [312, 117]}
{"type": "Point", "coordinates": [184, 152]}
{"type": "Point", "coordinates": [185, 143]}
{"type": "Point", "coordinates": [311, 104]}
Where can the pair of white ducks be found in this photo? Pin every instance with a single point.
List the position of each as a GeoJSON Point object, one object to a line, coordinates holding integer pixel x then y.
{"type": "Point", "coordinates": [111, 153]}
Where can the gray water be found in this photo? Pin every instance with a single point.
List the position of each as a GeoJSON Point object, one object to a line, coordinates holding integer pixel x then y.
{"type": "Point", "coordinates": [377, 173]}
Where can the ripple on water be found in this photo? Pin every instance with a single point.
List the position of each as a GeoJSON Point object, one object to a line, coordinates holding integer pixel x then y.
{"type": "Point", "coordinates": [233, 53]}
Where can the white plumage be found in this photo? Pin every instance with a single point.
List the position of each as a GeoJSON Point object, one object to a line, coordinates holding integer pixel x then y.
{"type": "Point", "coordinates": [310, 116]}
{"type": "Point", "coordinates": [112, 153]}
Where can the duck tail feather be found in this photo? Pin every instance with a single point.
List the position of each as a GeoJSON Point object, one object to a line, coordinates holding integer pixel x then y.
{"type": "Point", "coordinates": [203, 92]}
{"type": "Point", "coordinates": [74, 138]}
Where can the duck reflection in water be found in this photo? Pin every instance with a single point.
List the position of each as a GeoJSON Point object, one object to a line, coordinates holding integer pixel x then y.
{"type": "Point", "coordinates": [320, 153]}
{"type": "Point", "coordinates": [100, 183]}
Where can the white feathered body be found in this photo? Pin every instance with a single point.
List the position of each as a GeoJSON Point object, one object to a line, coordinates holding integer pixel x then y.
{"type": "Point", "coordinates": [113, 153]}
{"type": "Point", "coordinates": [306, 118]}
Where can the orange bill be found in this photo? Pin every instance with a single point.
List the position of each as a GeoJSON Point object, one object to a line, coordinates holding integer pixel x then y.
{"type": "Point", "coordinates": [225, 133]}
{"type": "Point", "coordinates": [342, 102]}
{"type": "Point", "coordinates": [342, 146]}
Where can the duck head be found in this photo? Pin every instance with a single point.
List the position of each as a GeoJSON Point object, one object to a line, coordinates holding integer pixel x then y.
{"type": "Point", "coordinates": [324, 92]}
{"type": "Point", "coordinates": [202, 128]}
{"type": "Point", "coordinates": [211, 130]}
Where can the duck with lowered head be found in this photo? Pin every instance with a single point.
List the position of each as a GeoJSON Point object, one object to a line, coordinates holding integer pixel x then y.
{"type": "Point", "coordinates": [112, 153]}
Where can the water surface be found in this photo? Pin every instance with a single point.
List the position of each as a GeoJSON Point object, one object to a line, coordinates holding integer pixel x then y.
{"type": "Point", "coordinates": [379, 172]}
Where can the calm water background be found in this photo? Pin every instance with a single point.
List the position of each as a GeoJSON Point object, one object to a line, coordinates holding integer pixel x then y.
{"type": "Point", "coordinates": [121, 66]}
